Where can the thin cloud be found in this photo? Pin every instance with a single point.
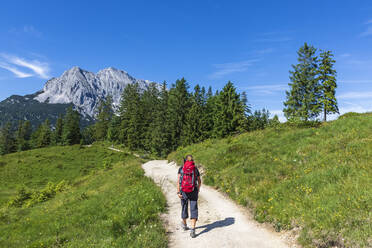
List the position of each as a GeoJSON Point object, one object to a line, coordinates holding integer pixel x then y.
{"type": "Point", "coordinates": [26, 29]}
{"type": "Point", "coordinates": [274, 37]}
{"type": "Point", "coordinates": [356, 95]}
{"type": "Point", "coordinates": [368, 31]}
{"type": "Point", "coordinates": [279, 113]}
{"type": "Point", "coordinates": [267, 89]}
{"type": "Point", "coordinates": [15, 71]}
{"type": "Point", "coordinates": [229, 68]}
{"type": "Point", "coordinates": [40, 69]}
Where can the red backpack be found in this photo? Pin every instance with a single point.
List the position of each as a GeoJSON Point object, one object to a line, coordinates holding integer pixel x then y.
{"type": "Point", "coordinates": [187, 179]}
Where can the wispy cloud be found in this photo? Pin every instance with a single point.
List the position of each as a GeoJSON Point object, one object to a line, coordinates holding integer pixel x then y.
{"type": "Point", "coordinates": [345, 55]}
{"type": "Point", "coordinates": [229, 68]}
{"type": "Point", "coordinates": [356, 95]}
{"type": "Point", "coordinates": [274, 37]}
{"type": "Point", "coordinates": [26, 29]}
{"type": "Point", "coordinates": [279, 113]}
{"type": "Point", "coordinates": [368, 31]}
{"type": "Point", "coordinates": [12, 63]}
{"type": "Point", "coordinates": [15, 71]}
{"type": "Point", "coordinates": [267, 89]}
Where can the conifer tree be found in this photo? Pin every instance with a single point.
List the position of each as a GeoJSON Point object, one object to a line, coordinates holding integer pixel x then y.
{"type": "Point", "coordinates": [57, 134]}
{"type": "Point", "coordinates": [7, 141]}
{"type": "Point", "coordinates": [229, 115]}
{"type": "Point", "coordinates": [113, 129]}
{"type": "Point", "coordinates": [303, 98]}
{"type": "Point", "coordinates": [131, 118]}
{"type": "Point", "coordinates": [328, 85]}
{"type": "Point", "coordinates": [23, 135]}
{"type": "Point", "coordinates": [44, 138]}
{"type": "Point", "coordinates": [71, 128]}
{"type": "Point", "coordinates": [193, 129]}
{"type": "Point", "coordinates": [178, 106]}
{"type": "Point", "coordinates": [208, 117]}
{"type": "Point", "coordinates": [104, 114]}
{"type": "Point", "coordinates": [160, 135]}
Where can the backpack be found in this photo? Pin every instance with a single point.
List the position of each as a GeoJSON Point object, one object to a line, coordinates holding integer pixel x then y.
{"type": "Point", "coordinates": [187, 179]}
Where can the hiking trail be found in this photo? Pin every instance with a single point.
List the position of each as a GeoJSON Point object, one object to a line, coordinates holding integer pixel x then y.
{"type": "Point", "coordinates": [222, 223]}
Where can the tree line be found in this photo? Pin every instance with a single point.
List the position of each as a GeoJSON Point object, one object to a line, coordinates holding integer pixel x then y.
{"type": "Point", "coordinates": [65, 132]}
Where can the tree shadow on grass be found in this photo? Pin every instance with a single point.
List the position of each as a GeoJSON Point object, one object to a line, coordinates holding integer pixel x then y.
{"type": "Point", "coordinates": [220, 223]}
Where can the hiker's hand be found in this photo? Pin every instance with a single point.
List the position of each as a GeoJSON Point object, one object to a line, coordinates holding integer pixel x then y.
{"type": "Point", "coordinates": [180, 196]}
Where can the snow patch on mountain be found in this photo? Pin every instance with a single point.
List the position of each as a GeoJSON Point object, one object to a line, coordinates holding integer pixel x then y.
{"type": "Point", "coordinates": [84, 89]}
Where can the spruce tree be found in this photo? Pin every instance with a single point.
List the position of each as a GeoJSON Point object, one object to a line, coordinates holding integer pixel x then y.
{"type": "Point", "coordinates": [44, 138]}
{"type": "Point", "coordinates": [303, 98]}
{"type": "Point", "coordinates": [23, 135]}
{"type": "Point", "coordinates": [57, 133]}
{"type": "Point", "coordinates": [131, 118]}
{"type": "Point", "coordinates": [208, 117]}
{"type": "Point", "coordinates": [178, 106]}
{"type": "Point", "coordinates": [104, 114]}
{"type": "Point", "coordinates": [193, 129]}
{"type": "Point", "coordinates": [160, 135]}
{"type": "Point", "coordinates": [113, 129]}
{"type": "Point", "coordinates": [229, 115]}
{"type": "Point", "coordinates": [328, 85]}
{"type": "Point", "coordinates": [7, 140]}
{"type": "Point", "coordinates": [71, 128]}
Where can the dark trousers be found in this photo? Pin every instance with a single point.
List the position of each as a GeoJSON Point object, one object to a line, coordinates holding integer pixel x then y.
{"type": "Point", "coordinates": [193, 198]}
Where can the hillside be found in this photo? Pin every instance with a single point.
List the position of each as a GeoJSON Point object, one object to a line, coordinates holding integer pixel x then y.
{"type": "Point", "coordinates": [78, 197]}
{"type": "Point", "coordinates": [316, 181]}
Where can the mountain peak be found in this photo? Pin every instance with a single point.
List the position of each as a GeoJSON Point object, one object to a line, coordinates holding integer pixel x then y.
{"type": "Point", "coordinates": [84, 89]}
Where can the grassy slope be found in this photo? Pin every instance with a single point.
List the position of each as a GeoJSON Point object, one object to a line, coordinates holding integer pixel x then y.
{"type": "Point", "coordinates": [317, 178]}
{"type": "Point", "coordinates": [117, 207]}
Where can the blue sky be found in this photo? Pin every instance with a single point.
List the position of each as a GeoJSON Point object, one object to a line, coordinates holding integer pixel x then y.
{"type": "Point", "coordinates": [251, 43]}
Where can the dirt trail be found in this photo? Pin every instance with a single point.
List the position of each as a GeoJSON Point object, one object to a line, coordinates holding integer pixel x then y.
{"type": "Point", "coordinates": [221, 223]}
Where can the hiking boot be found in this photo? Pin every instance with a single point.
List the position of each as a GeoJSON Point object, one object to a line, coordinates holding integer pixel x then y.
{"type": "Point", "coordinates": [184, 226]}
{"type": "Point", "coordinates": [192, 233]}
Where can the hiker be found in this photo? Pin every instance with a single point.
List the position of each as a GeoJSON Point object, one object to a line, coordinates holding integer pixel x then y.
{"type": "Point", "coordinates": [188, 190]}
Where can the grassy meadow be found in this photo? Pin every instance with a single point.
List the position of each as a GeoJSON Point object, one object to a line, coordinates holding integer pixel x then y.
{"type": "Point", "coordinates": [316, 179]}
{"type": "Point", "coordinates": [78, 197]}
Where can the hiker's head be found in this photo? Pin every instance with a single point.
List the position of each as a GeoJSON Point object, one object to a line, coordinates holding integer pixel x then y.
{"type": "Point", "coordinates": [189, 158]}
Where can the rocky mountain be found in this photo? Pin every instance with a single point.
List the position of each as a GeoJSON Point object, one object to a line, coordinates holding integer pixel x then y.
{"type": "Point", "coordinates": [75, 87]}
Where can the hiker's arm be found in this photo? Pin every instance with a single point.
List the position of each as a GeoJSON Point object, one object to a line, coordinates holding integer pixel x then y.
{"type": "Point", "coordinates": [199, 183]}
{"type": "Point", "coordinates": [178, 187]}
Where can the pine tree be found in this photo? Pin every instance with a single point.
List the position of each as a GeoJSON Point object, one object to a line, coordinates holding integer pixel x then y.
{"type": "Point", "coordinates": [71, 128]}
{"type": "Point", "coordinates": [148, 108]}
{"type": "Point", "coordinates": [113, 129]}
{"type": "Point", "coordinates": [7, 141]}
{"type": "Point", "coordinates": [131, 119]}
{"type": "Point", "coordinates": [57, 134]}
{"type": "Point", "coordinates": [247, 111]}
{"type": "Point", "coordinates": [208, 117]}
{"type": "Point", "coordinates": [327, 79]}
{"type": "Point", "coordinates": [303, 98]}
{"type": "Point", "coordinates": [44, 138]}
{"type": "Point", "coordinates": [229, 115]}
{"type": "Point", "coordinates": [193, 129]}
{"type": "Point", "coordinates": [104, 115]}
{"type": "Point", "coordinates": [23, 135]}
{"type": "Point", "coordinates": [178, 106]}
{"type": "Point", "coordinates": [160, 135]}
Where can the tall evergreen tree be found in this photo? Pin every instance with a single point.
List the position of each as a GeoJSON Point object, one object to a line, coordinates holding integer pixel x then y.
{"type": "Point", "coordinates": [178, 106]}
{"type": "Point", "coordinates": [327, 79]}
{"type": "Point", "coordinates": [71, 127]}
{"type": "Point", "coordinates": [160, 135]}
{"type": "Point", "coordinates": [194, 130]}
{"type": "Point", "coordinates": [303, 98]}
{"type": "Point", "coordinates": [148, 108]}
{"type": "Point", "coordinates": [104, 115]}
{"type": "Point", "coordinates": [113, 129]}
{"type": "Point", "coordinates": [23, 135]}
{"type": "Point", "coordinates": [229, 116]}
{"type": "Point", "coordinates": [57, 133]}
{"type": "Point", "coordinates": [7, 140]}
{"type": "Point", "coordinates": [44, 138]}
{"type": "Point", "coordinates": [208, 117]}
{"type": "Point", "coordinates": [131, 118]}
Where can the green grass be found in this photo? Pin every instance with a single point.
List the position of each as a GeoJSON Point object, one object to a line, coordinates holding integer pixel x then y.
{"type": "Point", "coordinates": [317, 179]}
{"type": "Point", "coordinates": [107, 200]}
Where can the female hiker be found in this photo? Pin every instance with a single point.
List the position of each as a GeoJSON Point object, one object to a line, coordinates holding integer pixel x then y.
{"type": "Point", "coordinates": [187, 190]}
